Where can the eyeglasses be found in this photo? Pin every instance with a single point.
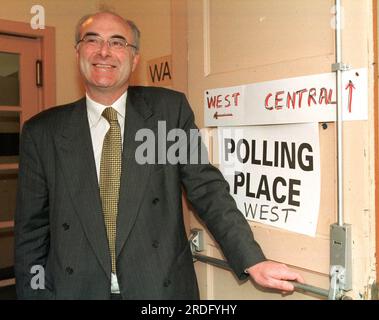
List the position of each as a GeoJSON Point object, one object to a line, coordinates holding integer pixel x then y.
{"type": "Point", "coordinates": [97, 42]}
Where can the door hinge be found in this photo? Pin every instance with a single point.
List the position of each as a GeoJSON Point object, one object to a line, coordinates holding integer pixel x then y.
{"type": "Point", "coordinates": [39, 77]}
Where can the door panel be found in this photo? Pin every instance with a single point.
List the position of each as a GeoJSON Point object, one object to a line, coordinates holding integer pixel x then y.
{"type": "Point", "coordinates": [20, 99]}
{"type": "Point", "coordinates": [239, 42]}
{"type": "Point", "coordinates": [289, 24]}
{"type": "Point", "coordinates": [9, 79]}
{"type": "Point", "coordinates": [28, 52]}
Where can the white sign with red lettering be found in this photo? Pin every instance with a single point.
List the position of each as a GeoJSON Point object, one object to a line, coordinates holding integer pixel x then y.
{"type": "Point", "coordinates": [274, 173]}
{"type": "Point", "coordinates": [293, 100]}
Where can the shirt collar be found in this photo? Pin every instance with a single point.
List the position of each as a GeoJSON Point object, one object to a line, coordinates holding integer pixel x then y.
{"type": "Point", "coordinates": [96, 109]}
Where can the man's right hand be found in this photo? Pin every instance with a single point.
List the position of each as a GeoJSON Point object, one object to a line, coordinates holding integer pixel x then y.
{"type": "Point", "coordinates": [274, 275]}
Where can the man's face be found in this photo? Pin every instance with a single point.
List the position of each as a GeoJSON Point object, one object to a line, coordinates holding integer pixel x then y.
{"type": "Point", "coordinates": [103, 69]}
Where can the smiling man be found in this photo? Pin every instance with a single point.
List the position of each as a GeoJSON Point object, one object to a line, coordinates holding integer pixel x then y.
{"type": "Point", "coordinates": [102, 225]}
{"type": "Point", "coordinates": [106, 69]}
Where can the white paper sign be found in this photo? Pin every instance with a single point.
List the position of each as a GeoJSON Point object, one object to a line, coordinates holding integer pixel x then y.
{"type": "Point", "coordinates": [274, 173]}
{"type": "Point", "coordinates": [293, 100]}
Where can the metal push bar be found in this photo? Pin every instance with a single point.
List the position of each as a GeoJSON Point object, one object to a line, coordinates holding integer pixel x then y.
{"type": "Point", "coordinates": [224, 265]}
{"type": "Point", "coordinates": [196, 242]}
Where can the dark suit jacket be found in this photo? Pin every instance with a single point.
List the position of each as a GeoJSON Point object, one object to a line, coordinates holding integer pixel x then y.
{"type": "Point", "coordinates": [59, 222]}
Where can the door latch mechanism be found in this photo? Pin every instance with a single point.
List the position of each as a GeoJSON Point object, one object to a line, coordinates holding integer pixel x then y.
{"type": "Point", "coordinates": [196, 240]}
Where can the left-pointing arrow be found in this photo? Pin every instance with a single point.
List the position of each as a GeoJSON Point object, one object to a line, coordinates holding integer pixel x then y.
{"type": "Point", "coordinates": [217, 115]}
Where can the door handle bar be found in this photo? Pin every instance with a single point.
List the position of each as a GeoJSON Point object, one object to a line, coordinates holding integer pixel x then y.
{"type": "Point", "coordinates": [196, 243]}
{"type": "Point", "coordinates": [224, 265]}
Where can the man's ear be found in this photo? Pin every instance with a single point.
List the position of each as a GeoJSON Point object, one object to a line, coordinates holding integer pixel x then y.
{"type": "Point", "coordinates": [135, 61]}
{"type": "Point", "coordinates": [77, 53]}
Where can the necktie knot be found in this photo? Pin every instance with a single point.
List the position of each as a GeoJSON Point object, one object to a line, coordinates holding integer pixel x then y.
{"type": "Point", "coordinates": [110, 114]}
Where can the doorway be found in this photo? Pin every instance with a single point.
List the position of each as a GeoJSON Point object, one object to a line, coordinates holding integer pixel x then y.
{"type": "Point", "coordinates": [22, 95]}
{"type": "Point", "coordinates": [376, 121]}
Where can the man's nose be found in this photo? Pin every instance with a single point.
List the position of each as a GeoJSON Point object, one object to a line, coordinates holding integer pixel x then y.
{"type": "Point", "coordinates": [104, 49]}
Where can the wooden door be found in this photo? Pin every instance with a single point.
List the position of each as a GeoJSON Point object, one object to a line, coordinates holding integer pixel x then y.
{"type": "Point", "coordinates": [20, 98]}
{"type": "Point", "coordinates": [236, 42]}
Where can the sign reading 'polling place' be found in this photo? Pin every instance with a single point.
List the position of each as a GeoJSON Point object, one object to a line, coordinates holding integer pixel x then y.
{"type": "Point", "coordinates": [274, 173]}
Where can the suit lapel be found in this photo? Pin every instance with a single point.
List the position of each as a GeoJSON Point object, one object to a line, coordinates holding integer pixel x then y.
{"type": "Point", "coordinates": [134, 177]}
{"type": "Point", "coordinates": [77, 160]}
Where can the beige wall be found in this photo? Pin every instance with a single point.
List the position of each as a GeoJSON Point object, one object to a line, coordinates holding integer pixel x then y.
{"type": "Point", "coordinates": [152, 17]}
{"type": "Point", "coordinates": [359, 153]}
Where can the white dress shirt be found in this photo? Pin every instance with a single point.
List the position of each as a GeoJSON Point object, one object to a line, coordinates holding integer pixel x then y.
{"type": "Point", "coordinates": [99, 126]}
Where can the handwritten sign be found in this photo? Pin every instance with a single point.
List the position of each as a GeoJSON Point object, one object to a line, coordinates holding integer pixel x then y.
{"type": "Point", "coordinates": [274, 173]}
{"type": "Point", "coordinates": [225, 103]}
{"type": "Point", "coordinates": [159, 71]}
{"type": "Point", "coordinates": [293, 100]}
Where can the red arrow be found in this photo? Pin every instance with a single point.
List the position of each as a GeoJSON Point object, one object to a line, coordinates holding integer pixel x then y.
{"type": "Point", "coordinates": [350, 86]}
{"type": "Point", "coordinates": [217, 115]}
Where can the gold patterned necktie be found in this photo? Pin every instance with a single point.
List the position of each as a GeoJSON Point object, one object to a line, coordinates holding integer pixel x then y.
{"type": "Point", "coordinates": [110, 173]}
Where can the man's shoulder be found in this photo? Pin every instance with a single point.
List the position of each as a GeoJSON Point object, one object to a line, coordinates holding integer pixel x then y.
{"type": "Point", "coordinates": [53, 115]}
{"type": "Point", "coordinates": [166, 104]}
{"type": "Point", "coordinates": [155, 92]}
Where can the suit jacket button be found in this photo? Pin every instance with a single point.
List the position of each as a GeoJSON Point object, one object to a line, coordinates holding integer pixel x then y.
{"type": "Point", "coordinates": [65, 226]}
{"type": "Point", "coordinates": [155, 201]}
{"type": "Point", "coordinates": [155, 244]}
{"type": "Point", "coordinates": [166, 283]}
{"type": "Point", "coordinates": [69, 270]}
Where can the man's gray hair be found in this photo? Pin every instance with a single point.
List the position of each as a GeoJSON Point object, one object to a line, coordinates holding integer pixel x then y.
{"type": "Point", "coordinates": [130, 23]}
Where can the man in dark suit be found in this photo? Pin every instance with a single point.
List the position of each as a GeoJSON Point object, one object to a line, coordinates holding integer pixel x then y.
{"type": "Point", "coordinates": [101, 224]}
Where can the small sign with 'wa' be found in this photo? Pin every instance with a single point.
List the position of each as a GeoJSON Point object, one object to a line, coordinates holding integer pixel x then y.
{"type": "Point", "coordinates": [159, 71]}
